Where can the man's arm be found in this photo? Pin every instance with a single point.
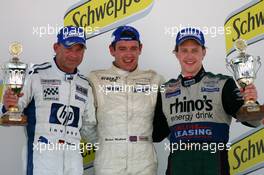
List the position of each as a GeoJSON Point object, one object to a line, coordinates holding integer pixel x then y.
{"type": "Point", "coordinates": [88, 129]}
{"type": "Point", "coordinates": [161, 129]}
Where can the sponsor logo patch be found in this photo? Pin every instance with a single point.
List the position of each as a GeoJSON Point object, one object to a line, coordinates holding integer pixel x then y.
{"type": "Point", "coordinates": [80, 98]}
{"type": "Point", "coordinates": [132, 138]}
{"type": "Point", "coordinates": [50, 82]}
{"type": "Point", "coordinates": [64, 115]}
{"type": "Point", "coordinates": [111, 79]}
{"type": "Point", "coordinates": [210, 89]}
{"type": "Point", "coordinates": [173, 94]}
{"type": "Point", "coordinates": [43, 140]}
{"type": "Point", "coordinates": [211, 83]}
{"type": "Point", "coordinates": [50, 92]}
{"type": "Point", "coordinates": [189, 82]}
{"type": "Point", "coordinates": [82, 90]}
{"type": "Point", "coordinates": [172, 89]}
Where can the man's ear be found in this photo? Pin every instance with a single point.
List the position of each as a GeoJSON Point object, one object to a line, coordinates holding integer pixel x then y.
{"type": "Point", "coordinates": [140, 48]}
{"type": "Point", "coordinates": [176, 54]}
{"type": "Point", "coordinates": [204, 52]}
{"type": "Point", "coordinates": [112, 50]}
{"type": "Point", "coordinates": [56, 47]}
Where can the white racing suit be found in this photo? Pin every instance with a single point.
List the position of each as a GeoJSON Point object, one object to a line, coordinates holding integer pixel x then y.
{"type": "Point", "coordinates": [58, 106]}
{"type": "Point", "coordinates": [125, 104]}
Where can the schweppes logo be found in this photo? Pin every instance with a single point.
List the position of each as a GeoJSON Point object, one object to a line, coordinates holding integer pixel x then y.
{"type": "Point", "coordinates": [247, 23]}
{"type": "Point", "coordinates": [247, 152]}
{"type": "Point", "coordinates": [99, 16]}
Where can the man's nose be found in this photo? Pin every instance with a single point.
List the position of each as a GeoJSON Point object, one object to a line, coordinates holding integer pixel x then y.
{"type": "Point", "coordinates": [74, 54]}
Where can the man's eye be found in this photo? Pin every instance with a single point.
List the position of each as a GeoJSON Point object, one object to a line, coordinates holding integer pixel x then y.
{"type": "Point", "coordinates": [122, 48]}
{"type": "Point", "coordinates": [134, 48]}
{"type": "Point", "coordinates": [194, 51]}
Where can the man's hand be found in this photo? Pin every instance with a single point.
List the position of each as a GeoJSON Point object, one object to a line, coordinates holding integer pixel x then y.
{"type": "Point", "coordinates": [249, 92]}
{"type": "Point", "coordinates": [10, 98]}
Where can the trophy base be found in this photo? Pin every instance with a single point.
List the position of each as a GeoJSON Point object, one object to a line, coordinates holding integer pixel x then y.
{"type": "Point", "coordinates": [13, 119]}
{"type": "Point", "coordinates": [250, 113]}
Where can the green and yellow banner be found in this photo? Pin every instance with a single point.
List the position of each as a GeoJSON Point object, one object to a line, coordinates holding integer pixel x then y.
{"type": "Point", "coordinates": [247, 152]}
{"type": "Point", "coordinates": [99, 16]}
{"type": "Point", "coordinates": [246, 23]}
{"type": "Point", "coordinates": [88, 154]}
{"type": "Point", "coordinates": [1, 90]}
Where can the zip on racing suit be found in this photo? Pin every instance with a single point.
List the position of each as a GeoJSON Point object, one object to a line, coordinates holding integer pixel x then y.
{"type": "Point", "coordinates": [125, 104]}
{"type": "Point", "coordinates": [58, 107]}
{"type": "Point", "coordinates": [197, 111]}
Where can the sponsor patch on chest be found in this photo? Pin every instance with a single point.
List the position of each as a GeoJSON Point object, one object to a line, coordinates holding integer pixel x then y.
{"type": "Point", "coordinates": [52, 82]}
{"type": "Point", "coordinates": [64, 115]}
{"type": "Point", "coordinates": [50, 92]}
{"type": "Point", "coordinates": [110, 78]}
{"type": "Point", "coordinates": [172, 90]}
{"type": "Point", "coordinates": [82, 90]}
{"type": "Point", "coordinates": [210, 86]}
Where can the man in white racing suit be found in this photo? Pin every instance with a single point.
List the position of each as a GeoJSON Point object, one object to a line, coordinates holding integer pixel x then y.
{"type": "Point", "coordinates": [125, 99]}
{"type": "Point", "coordinates": [58, 102]}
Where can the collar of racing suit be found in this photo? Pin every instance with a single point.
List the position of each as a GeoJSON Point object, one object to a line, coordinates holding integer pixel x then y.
{"type": "Point", "coordinates": [62, 74]}
{"type": "Point", "coordinates": [188, 81]}
{"type": "Point", "coordinates": [121, 71]}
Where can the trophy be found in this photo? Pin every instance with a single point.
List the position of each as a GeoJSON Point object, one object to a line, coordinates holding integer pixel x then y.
{"type": "Point", "coordinates": [244, 67]}
{"type": "Point", "coordinates": [14, 78]}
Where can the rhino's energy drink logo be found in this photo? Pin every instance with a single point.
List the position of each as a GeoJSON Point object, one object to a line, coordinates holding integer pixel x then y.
{"type": "Point", "coordinates": [247, 152]}
{"type": "Point", "coordinates": [101, 16]}
{"type": "Point", "coordinates": [247, 23]}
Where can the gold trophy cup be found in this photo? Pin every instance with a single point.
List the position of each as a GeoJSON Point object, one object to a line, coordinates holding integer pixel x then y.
{"type": "Point", "coordinates": [244, 67]}
{"type": "Point", "coordinates": [14, 78]}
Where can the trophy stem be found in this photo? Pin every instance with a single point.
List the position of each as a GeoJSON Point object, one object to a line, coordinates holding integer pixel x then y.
{"type": "Point", "coordinates": [251, 106]}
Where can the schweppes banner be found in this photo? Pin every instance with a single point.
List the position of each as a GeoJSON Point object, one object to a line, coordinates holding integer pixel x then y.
{"type": "Point", "coordinates": [247, 152]}
{"type": "Point", "coordinates": [99, 16]}
{"type": "Point", "coordinates": [1, 89]}
{"type": "Point", "coordinates": [247, 23]}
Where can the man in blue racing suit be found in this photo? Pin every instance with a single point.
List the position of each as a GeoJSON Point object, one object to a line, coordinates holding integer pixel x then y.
{"type": "Point", "coordinates": [59, 104]}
